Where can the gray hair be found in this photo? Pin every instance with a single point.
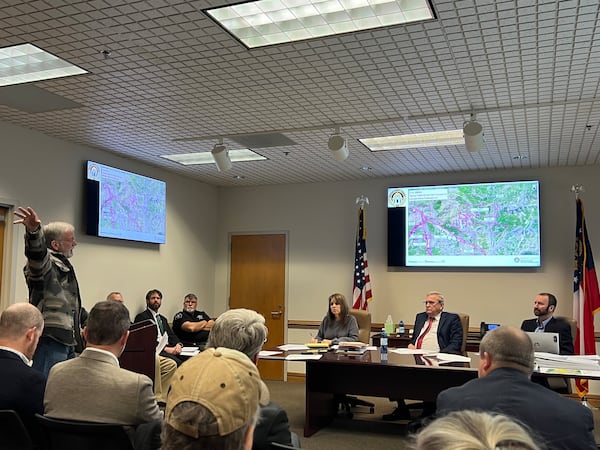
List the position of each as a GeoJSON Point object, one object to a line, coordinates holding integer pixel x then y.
{"type": "Point", "coordinates": [475, 431]}
{"type": "Point", "coordinates": [509, 347]}
{"type": "Point", "coordinates": [240, 329]}
{"type": "Point", "coordinates": [54, 231]}
{"type": "Point", "coordinates": [18, 318]}
{"type": "Point", "coordinates": [439, 295]}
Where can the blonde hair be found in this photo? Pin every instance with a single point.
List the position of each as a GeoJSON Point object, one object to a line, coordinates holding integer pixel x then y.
{"type": "Point", "coordinates": [472, 430]}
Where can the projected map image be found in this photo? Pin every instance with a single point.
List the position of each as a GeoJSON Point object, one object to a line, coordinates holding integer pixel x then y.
{"type": "Point", "coordinates": [465, 221]}
{"type": "Point", "coordinates": [131, 205]}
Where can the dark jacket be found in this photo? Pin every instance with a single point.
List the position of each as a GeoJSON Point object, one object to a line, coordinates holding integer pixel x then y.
{"type": "Point", "coordinates": [560, 423]}
{"type": "Point", "coordinates": [561, 327]}
{"type": "Point", "coordinates": [449, 332]}
{"type": "Point", "coordinates": [272, 426]}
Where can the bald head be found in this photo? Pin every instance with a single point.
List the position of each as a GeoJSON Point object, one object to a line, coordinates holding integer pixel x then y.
{"type": "Point", "coordinates": [21, 326]}
{"type": "Point", "coordinates": [507, 346]}
{"type": "Point", "coordinates": [115, 296]}
{"type": "Point", "coordinates": [18, 318]}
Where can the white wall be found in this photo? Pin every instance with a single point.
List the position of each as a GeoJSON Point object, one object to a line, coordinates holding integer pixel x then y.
{"type": "Point", "coordinates": [48, 175]}
{"type": "Point", "coordinates": [321, 220]}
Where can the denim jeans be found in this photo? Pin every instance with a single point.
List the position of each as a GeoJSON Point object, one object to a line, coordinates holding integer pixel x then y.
{"type": "Point", "coordinates": [50, 352]}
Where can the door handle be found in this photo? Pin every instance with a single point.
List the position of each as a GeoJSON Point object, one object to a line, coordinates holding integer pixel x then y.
{"type": "Point", "coordinates": [277, 314]}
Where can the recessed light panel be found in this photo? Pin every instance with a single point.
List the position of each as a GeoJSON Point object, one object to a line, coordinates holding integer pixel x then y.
{"type": "Point", "coordinates": [434, 139]}
{"type": "Point", "coordinates": [269, 22]}
{"type": "Point", "coordinates": [26, 63]}
{"type": "Point", "coordinates": [190, 159]}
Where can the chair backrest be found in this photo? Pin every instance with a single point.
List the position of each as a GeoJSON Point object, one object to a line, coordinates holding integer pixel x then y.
{"type": "Point", "coordinates": [572, 323]}
{"type": "Point", "coordinates": [363, 318]}
{"type": "Point", "coordinates": [64, 434]}
{"type": "Point", "coordinates": [464, 321]}
{"type": "Point", "coordinates": [14, 435]}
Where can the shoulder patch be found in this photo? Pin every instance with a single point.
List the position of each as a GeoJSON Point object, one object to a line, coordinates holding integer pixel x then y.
{"type": "Point", "coordinates": [178, 316]}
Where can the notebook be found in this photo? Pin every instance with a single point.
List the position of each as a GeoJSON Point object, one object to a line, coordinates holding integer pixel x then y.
{"type": "Point", "coordinates": [544, 342]}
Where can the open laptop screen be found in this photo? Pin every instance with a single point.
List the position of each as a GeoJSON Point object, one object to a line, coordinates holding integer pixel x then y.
{"type": "Point", "coordinates": [544, 342]}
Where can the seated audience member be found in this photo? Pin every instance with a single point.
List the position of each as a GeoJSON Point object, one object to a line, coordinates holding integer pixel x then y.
{"type": "Point", "coordinates": [544, 306]}
{"type": "Point", "coordinates": [213, 402]}
{"type": "Point", "coordinates": [92, 387]}
{"type": "Point", "coordinates": [190, 325]}
{"type": "Point", "coordinates": [245, 330]}
{"type": "Point", "coordinates": [21, 387]}
{"type": "Point", "coordinates": [503, 386]}
{"type": "Point", "coordinates": [434, 330]}
{"type": "Point", "coordinates": [153, 302]}
{"type": "Point", "coordinates": [338, 325]}
{"type": "Point", "coordinates": [164, 368]}
{"type": "Point", "coordinates": [474, 431]}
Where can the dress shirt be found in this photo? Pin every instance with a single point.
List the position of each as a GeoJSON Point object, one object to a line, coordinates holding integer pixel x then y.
{"type": "Point", "coordinates": [430, 340]}
{"type": "Point", "coordinates": [541, 328]}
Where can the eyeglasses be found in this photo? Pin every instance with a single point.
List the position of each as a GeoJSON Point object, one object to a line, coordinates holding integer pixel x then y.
{"type": "Point", "coordinates": [429, 302]}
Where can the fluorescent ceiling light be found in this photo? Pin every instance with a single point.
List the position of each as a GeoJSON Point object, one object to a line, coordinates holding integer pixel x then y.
{"type": "Point", "coordinates": [434, 139]}
{"type": "Point", "coordinates": [189, 159]}
{"type": "Point", "coordinates": [268, 22]}
{"type": "Point", "coordinates": [26, 63]}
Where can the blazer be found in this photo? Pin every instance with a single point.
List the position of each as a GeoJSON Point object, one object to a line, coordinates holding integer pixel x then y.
{"type": "Point", "coordinates": [272, 426]}
{"type": "Point", "coordinates": [554, 326]}
{"type": "Point", "coordinates": [147, 315]}
{"type": "Point", "coordinates": [449, 332]}
{"type": "Point", "coordinates": [21, 388]}
{"type": "Point", "coordinates": [559, 422]}
{"type": "Point", "coordinates": [93, 388]}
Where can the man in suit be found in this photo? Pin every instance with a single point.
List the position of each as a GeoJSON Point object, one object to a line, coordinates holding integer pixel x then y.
{"type": "Point", "coordinates": [153, 302]}
{"type": "Point", "coordinates": [164, 368]}
{"type": "Point", "coordinates": [503, 386]}
{"type": "Point", "coordinates": [434, 330]}
{"type": "Point", "coordinates": [92, 387]}
{"type": "Point", "coordinates": [245, 330]}
{"type": "Point", "coordinates": [21, 387]}
{"type": "Point", "coordinates": [544, 306]}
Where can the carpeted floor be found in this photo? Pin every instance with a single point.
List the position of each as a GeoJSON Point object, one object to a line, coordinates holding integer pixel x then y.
{"type": "Point", "coordinates": [364, 432]}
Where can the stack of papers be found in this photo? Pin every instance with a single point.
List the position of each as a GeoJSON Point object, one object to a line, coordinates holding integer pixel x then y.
{"type": "Point", "coordinates": [567, 362]}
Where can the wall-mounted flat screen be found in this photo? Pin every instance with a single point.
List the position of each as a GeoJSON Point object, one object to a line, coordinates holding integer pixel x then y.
{"type": "Point", "coordinates": [125, 205]}
{"type": "Point", "coordinates": [465, 225]}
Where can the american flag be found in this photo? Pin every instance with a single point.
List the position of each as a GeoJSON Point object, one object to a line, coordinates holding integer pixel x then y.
{"type": "Point", "coordinates": [586, 297]}
{"type": "Point", "coordinates": [362, 294]}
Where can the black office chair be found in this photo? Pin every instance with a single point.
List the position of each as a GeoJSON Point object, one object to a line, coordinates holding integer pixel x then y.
{"type": "Point", "coordinates": [14, 435]}
{"type": "Point", "coordinates": [65, 434]}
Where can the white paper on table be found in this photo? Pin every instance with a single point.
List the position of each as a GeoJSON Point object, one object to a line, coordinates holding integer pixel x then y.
{"type": "Point", "coordinates": [411, 351]}
{"type": "Point", "coordinates": [162, 343]}
{"type": "Point", "coordinates": [450, 357]}
{"type": "Point", "coordinates": [190, 351]}
{"type": "Point", "coordinates": [265, 353]}
{"type": "Point", "coordinates": [301, 357]}
{"type": "Point", "coordinates": [292, 347]}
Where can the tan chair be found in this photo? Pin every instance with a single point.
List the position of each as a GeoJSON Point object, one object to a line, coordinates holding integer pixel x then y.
{"type": "Point", "coordinates": [346, 402]}
{"type": "Point", "coordinates": [464, 321]}
{"type": "Point", "coordinates": [572, 323]}
{"type": "Point", "coordinates": [363, 318]}
{"type": "Point", "coordinates": [564, 385]}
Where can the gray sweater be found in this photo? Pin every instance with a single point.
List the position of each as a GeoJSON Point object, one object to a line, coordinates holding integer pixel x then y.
{"type": "Point", "coordinates": [338, 330]}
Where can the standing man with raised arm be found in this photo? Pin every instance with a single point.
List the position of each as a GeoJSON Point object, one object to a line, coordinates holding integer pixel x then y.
{"type": "Point", "coordinates": [53, 287]}
{"type": "Point", "coordinates": [544, 306]}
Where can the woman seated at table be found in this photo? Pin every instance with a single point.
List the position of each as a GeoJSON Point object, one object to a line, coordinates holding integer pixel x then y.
{"type": "Point", "coordinates": [338, 325]}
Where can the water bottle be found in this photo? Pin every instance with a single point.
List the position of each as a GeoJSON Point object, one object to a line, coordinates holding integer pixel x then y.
{"type": "Point", "coordinates": [401, 328]}
{"type": "Point", "coordinates": [389, 325]}
{"type": "Point", "coordinates": [384, 346]}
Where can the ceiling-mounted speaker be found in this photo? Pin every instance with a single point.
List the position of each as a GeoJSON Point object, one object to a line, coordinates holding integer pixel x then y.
{"type": "Point", "coordinates": [221, 156]}
{"type": "Point", "coordinates": [473, 134]}
{"type": "Point", "coordinates": [338, 146]}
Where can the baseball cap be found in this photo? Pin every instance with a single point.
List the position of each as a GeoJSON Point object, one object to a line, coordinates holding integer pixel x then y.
{"type": "Point", "coordinates": [222, 380]}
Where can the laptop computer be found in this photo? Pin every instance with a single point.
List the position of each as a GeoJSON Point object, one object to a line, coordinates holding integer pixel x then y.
{"type": "Point", "coordinates": [544, 342]}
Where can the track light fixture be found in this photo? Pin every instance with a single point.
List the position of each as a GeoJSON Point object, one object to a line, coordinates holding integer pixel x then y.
{"type": "Point", "coordinates": [338, 145]}
{"type": "Point", "coordinates": [473, 134]}
{"type": "Point", "coordinates": [221, 156]}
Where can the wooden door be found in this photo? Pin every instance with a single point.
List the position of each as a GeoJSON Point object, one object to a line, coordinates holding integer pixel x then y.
{"type": "Point", "coordinates": [257, 281]}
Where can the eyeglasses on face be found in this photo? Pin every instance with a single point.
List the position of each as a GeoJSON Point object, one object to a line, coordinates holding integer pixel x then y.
{"type": "Point", "coordinates": [430, 302]}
